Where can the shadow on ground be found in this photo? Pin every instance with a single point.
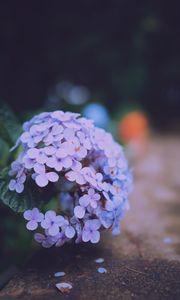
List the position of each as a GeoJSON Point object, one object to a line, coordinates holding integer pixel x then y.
{"type": "Point", "coordinates": [126, 278]}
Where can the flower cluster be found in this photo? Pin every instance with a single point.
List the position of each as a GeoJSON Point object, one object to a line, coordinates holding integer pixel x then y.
{"type": "Point", "coordinates": [87, 168]}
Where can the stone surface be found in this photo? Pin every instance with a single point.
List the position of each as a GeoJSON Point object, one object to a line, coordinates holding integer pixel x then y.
{"type": "Point", "coordinates": [140, 265]}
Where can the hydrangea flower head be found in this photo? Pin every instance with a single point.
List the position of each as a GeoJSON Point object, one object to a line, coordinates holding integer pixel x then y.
{"type": "Point", "coordinates": [86, 168]}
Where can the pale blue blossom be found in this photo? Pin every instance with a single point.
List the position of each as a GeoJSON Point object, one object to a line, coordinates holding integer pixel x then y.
{"type": "Point", "coordinates": [33, 217]}
{"type": "Point", "coordinates": [90, 231]}
{"type": "Point", "coordinates": [17, 184]}
{"type": "Point", "coordinates": [52, 222]}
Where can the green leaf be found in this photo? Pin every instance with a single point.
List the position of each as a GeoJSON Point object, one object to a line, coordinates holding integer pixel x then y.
{"type": "Point", "coordinates": [9, 127]}
{"type": "Point", "coordinates": [31, 197]}
{"type": "Point", "coordinates": [4, 153]}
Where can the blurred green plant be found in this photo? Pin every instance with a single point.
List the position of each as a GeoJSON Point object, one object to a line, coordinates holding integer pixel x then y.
{"type": "Point", "coordinates": [9, 126]}
{"type": "Point", "coordinates": [15, 244]}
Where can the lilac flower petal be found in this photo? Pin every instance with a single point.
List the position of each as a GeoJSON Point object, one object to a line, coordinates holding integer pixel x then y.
{"type": "Point", "coordinates": [41, 158]}
{"type": "Point", "coordinates": [61, 153]}
{"type": "Point", "coordinates": [50, 150]}
{"type": "Point", "coordinates": [70, 232]}
{"type": "Point", "coordinates": [25, 137]}
{"type": "Point", "coordinates": [60, 115]}
{"type": "Point", "coordinates": [59, 274]}
{"type": "Point", "coordinates": [72, 125]}
{"type": "Point", "coordinates": [109, 205]}
{"type": "Point", "coordinates": [84, 200]}
{"type": "Point", "coordinates": [32, 225]}
{"type": "Point", "coordinates": [33, 153]}
{"type": "Point", "coordinates": [91, 192]}
{"type": "Point", "coordinates": [19, 187]}
{"type": "Point", "coordinates": [70, 148]}
{"type": "Point", "coordinates": [102, 270]}
{"type": "Point", "coordinates": [71, 176]}
{"type": "Point", "coordinates": [80, 179]}
{"type": "Point", "coordinates": [36, 215]}
{"type": "Point", "coordinates": [53, 230]}
{"type": "Point", "coordinates": [87, 144]}
{"type": "Point", "coordinates": [40, 217]}
{"type": "Point", "coordinates": [50, 214]}
{"type": "Point", "coordinates": [64, 287]}
{"type": "Point", "coordinates": [41, 180]}
{"type": "Point", "coordinates": [57, 129]}
{"type": "Point", "coordinates": [77, 166]}
{"type": "Point", "coordinates": [60, 221]}
{"type": "Point", "coordinates": [47, 244]}
{"type": "Point", "coordinates": [116, 230]}
{"type": "Point", "coordinates": [95, 224]}
{"type": "Point", "coordinates": [93, 203]}
{"type": "Point", "coordinates": [79, 211]}
{"type": "Point", "coordinates": [81, 152]}
{"type": "Point", "coordinates": [58, 166]}
{"type": "Point", "coordinates": [22, 178]}
{"type": "Point", "coordinates": [45, 224]}
{"type": "Point", "coordinates": [112, 162]}
{"type": "Point", "coordinates": [69, 133]}
{"type": "Point", "coordinates": [28, 215]}
{"type": "Point", "coordinates": [67, 162]}
{"type": "Point", "coordinates": [61, 240]}
{"type": "Point", "coordinates": [99, 260]}
{"type": "Point", "coordinates": [96, 197]}
{"type": "Point", "coordinates": [39, 237]}
{"type": "Point", "coordinates": [86, 235]}
{"type": "Point", "coordinates": [39, 168]}
{"type": "Point", "coordinates": [28, 162]}
{"type": "Point", "coordinates": [52, 176]}
{"type": "Point", "coordinates": [95, 237]}
{"type": "Point", "coordinates": [52, 162]}
{"type": "Point", "coordinates": [12, 184]}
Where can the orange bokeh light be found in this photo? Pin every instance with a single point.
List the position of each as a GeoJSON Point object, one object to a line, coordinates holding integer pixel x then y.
{"type": "Point", "coordinates": [133, 126]}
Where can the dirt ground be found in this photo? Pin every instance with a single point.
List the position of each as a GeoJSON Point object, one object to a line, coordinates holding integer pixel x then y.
{"type": "Point", "coordinates": [142, 263]}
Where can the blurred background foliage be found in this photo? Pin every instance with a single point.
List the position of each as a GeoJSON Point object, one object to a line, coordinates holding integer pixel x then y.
{"type": "Point", "coordinates": [122, 50]}
{"type": "Point", "coordinates": [102, 58]}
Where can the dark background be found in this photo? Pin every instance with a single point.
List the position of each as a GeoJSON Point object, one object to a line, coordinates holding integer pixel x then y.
{"type": "Point", "coordinates": [121, 50]}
